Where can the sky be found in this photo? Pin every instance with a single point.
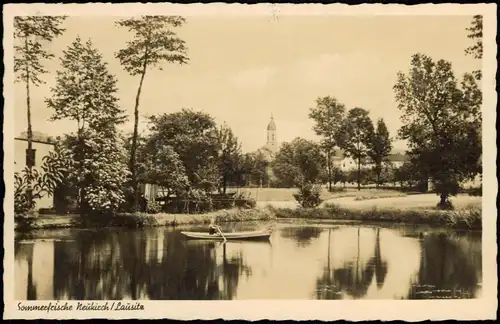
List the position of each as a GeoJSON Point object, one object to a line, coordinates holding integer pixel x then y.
{"type": "Point", "coordinates": [243, 69]}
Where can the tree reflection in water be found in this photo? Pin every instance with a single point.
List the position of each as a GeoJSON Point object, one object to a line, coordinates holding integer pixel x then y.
{"type": "Point", "coordinates": [353, 278]}
{"type": "Point", "coordinates": [120, 265]}
{"type": "Point", "coordinates": [302, 235]}
{"type": "Point", "coordinates": [446, 269]}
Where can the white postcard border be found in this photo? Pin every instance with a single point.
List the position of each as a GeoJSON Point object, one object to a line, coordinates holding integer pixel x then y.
{"type": "Point", "coordinates": [414, 310]}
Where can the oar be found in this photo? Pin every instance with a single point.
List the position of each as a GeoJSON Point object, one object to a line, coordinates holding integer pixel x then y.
{"type": "Point", "coordinates": [220, 231]}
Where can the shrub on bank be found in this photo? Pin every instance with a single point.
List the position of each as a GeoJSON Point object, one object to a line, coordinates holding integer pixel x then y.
{"type": "Point", "coordinates": [140, 219]}
{"type": "Point", "coordinates": [476, 192]}
{"type": "Point", "coordinates": [309, 195]}
{"type": "Point", "coordinates": [128, 220]}
{"type": "Point", "coordinates": [153, 207]}
{"type": "Point", "coordinates": [206, 204]}
{"type": "Point", "coordinates": [24, 223]}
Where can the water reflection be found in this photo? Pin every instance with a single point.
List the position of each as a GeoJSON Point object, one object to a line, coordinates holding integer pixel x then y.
{"type": "Point", "coordinates": [302, 235]}
{"type": "Point", "coordinates": [355, 276]}
{"type": "Point", "coordinates": [303, 262]}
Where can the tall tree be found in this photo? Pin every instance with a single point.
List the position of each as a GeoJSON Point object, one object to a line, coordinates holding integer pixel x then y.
{"type": "Point", "coordinates": [328, 115]}
{"type": "Point", "coordinates": [298, 162]}
{"type": "Point", "coordinates": [229, 155]}
{"type": "Point", "coordinates": [356, 134]}
{"type": "Point", "coordinates": [379, 147]}
{"type": "Point", "coordinates": [476, 35]}
{"type": "Point", "coordinates": [85, 92]}
{"type": "Point", "coordinates": [154, 43]}
{"type": "Point", "coordinates": [30, 32]}
{"type": "Point", "coordinates": [193, 136]}
{"type": "Point", "coordinates": [254, 167]}
{"type": "Point", "coordinates": [160, 164]}
{"type": "Point", "coordinates": [442, 123]}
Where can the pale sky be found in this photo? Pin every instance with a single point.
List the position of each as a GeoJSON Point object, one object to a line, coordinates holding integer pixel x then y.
{"type": "Point", "coordinates": [243, 69]}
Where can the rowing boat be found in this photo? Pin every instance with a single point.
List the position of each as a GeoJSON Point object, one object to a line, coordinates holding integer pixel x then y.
{"type": "Point", "coordinates": [250, 235]}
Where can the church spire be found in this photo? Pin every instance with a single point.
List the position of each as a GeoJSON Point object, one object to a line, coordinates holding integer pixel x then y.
{"type": "Point", "coordinates": [271, 125]}
{"type": "Point", "coordinates": [272, 142]}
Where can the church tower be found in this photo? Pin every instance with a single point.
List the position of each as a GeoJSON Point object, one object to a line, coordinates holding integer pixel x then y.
{"type": "Point", "coordinates": [272, 142]}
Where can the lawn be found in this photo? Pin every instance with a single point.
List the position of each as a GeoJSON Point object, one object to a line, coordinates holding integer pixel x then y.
{"type": "Point", "coordinates": [286, 194]}
{"type": "Point", "coordinates": [414, 202]}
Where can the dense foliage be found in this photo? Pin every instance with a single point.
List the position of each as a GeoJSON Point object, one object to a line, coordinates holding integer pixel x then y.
{"type": "Point", "coordinates": [328, 116]}
{"type": "Point", "coordinates": [298, 162]}
{"type": "Point", "coordinates": [309, 195]}
{"type": "Point", "coordinates": [379, 147]}
{"type": "Point", "coordinates": [356, 136]}
{"type": "Point", "coordinates": [442, 123]}
{"type": "Point", "coordinates": [85, 92]}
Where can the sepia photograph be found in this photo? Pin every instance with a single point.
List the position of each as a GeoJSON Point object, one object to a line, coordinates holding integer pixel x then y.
{"type": "Point", "coordinates": [160, 155]}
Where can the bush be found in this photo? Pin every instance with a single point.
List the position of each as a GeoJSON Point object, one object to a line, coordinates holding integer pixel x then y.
{"type": "Point", "coordinates": [308, 195]}
{"type": "Point", "coordinates": [447, 205]}
{"type": "Point", "coordinates": [153, 207]}
{"type": "Point", "coordinates": [245, 203]}
{"type": "Point", "coordinates": [128, 220]}
{"type": "Point", "coordinates": [24, 222]}
{"type": "Point", "coordinates": [47, 211]}
{"type": "Point", "coordinates": [205, 204]}
{"type": "Point", "coordinates": [476, 191]}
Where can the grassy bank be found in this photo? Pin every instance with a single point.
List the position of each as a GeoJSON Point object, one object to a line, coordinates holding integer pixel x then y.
{"type": "Point", "coordinates": [466, 218]}
{"type": "Point", "coordinates": [138, 220]}
{"type": "Point", "coordinates": [398, 210]}
{"type": "Point", "coordinates": [221, 216]}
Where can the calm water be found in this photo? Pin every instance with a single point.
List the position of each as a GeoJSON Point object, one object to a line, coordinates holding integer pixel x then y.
{"type": "Point", "coordinates": [308, 261]}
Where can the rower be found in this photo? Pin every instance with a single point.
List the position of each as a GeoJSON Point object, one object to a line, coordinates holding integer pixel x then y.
{"type": "Point", "coordinates": [212, 228]}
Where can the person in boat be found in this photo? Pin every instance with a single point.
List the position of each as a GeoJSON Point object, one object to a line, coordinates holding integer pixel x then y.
{"type": "Point", "coordinates": [212, 229]}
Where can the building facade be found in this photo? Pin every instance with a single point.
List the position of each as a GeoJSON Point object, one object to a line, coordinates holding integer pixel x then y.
{"type": "Point", "coordinates": [346, 163]}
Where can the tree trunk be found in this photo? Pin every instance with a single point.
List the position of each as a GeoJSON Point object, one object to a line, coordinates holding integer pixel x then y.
{"type": "Point", "coordinates": [82, 202]}
{"type": "Point", "coordinates": [359, 174]}
{"type": "Point", "coordinates": [133, 148]}
{"type": "Point", "coordinates": [378, 171]}
{"type": "Point", "coordinates": [224, 184]}
{"type": "Point", "coordinates": [329, 168]}
{"type": "Point", "coordinates": [30, 131]}
{"type": "Point", "coordinates": [443, 198]}
{"type": "Point", "coordinates": [82, 184]}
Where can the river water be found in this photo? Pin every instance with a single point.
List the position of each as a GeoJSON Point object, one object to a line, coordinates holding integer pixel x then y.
{"type": "Point", "coordinates": [301, 261]}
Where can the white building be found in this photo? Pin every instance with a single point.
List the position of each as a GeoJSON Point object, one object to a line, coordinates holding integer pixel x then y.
{"type": "Point", "coordinates": [346, 163]}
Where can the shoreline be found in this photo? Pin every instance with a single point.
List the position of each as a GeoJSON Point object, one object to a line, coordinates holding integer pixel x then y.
{"type": "Point", "coordinates": [463, 219]}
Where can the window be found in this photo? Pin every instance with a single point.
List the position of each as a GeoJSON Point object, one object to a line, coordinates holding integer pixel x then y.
{"type": "Point", "coordinates": [30, 157]}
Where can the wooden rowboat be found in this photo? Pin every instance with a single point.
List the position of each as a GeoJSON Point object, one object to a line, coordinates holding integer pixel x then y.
{"type": "Point", "coordinates": [250, 235]}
